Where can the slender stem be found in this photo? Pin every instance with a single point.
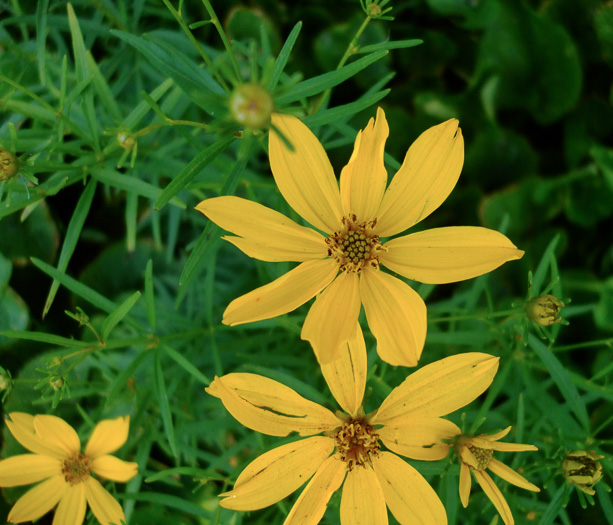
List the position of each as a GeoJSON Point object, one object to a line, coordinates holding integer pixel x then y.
{"type": "Point", "coordinates": [503, 313]}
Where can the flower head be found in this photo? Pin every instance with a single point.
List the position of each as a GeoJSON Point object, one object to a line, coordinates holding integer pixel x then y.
{"type": "Point", "coordinates": [9, 165]}
{"type": "Point", "coordinates": [64, 470]}
{"type": "Point", "coordinates": [582, 469]}
{"type": "Point", "coordinates": [251, 105]}
{"type": "Point", "coordinates": [344, 263]}
{"type": "Point", "coordinates": [477, 454]}
{"type": "Point", "coordinates": [346, 449]}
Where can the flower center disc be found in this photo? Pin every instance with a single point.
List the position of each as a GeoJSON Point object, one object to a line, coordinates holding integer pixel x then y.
{"type": "Point", "coordinates": [355, 246]}
{"type": "Point", "coordinates": [482, 455]}
{"type": "Point", "coordinates": [76, 469]}
{"type": "Point", "coordinates": [356, 442]}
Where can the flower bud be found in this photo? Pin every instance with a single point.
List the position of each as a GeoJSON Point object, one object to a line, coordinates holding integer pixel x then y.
{"type": "Point", "coordinates": [9, 165]}
{"type": "Point", "coordinates": [251, 106]}
{"type": "Point", "coordinates": [582, 469]}
{"type": "Point", "coordinates": [125, 140]}
{"type": "Point", "coordinates": [374, 9]}
{"type": "Point", "coordinates": [544, 310]}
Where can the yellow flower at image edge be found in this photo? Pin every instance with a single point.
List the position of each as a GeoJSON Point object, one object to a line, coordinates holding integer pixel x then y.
{"type": "Point", "coordinates": [64, 471]}
{"type": "Point", "coordinates": [476, 454]}
{"type": "Point", "coordinates": [346, 448]}
{"type": "Point", "coordinates": [344, 263]}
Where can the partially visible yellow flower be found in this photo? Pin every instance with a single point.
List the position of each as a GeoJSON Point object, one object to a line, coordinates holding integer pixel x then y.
{"type": "Point", "coordinates": [476, 454]}
{"type": "Point", "coordinates": [582, 469]}
{"type": "Point", "coordinates": [346, 448]}
{"type": "Point", "coordinates": [344, 263]}
{"type": "Point", "coordinates": [544, 310]}
{"type": "Point", "coordinates": [64, 471]}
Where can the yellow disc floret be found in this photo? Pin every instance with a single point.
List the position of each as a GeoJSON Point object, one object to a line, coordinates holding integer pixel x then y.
{"type": "Point", "coordinates": [356, 443]}
{"type": "Point", "coordinates": [76, 469]}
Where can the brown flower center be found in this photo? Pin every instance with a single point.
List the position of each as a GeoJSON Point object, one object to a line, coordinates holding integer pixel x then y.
{"type": "Point", "coordinates": [76, 469]}
{"type": "Point", "coordinates": [355, 246]}
{"type": "Point", "coordinates": [356, 443]}
{"type": "Point", "coordinates": [482, 455]}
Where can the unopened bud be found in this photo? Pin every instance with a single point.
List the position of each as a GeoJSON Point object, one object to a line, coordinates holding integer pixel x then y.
{"type": "Point", "coordinates": [251, 105]}
{"type": "Point", "coordinates": [582, 469]}
{"type": "Point", "coordinates": [9, 165]}
{"type": "Point", "coordinates": [125, 140]}
{"type": "Point", "coordinates": [374, 10]}
{"type": "Point", "coordinates": [56, 383]}
{"type": "Point", "coordinates": [544, 310]}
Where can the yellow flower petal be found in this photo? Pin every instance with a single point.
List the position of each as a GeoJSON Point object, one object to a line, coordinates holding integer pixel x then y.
{"type": "Point", "coordinates": [283, 295]}
{"type": "Point", "coordinates": [508, 474]}
{"type": "Point", "coordinates": [419, 439]}
{"type": "Point", "coordinates": [364, 178]}
{"type": "Point", "coordinates": [346, 375]}
{"type": "Point", "coordinates": [304, 176]}
{"type": "Point", "coordinates": [28, 468]}
{"type": "Point", "coordinates": [108, 436]}
{"type": "Point", "coordinates": [113, 468]}
{"type": "Point", "coordinates": [58, 433]}
{"type": "Point", "coordinates": [408, 495]}
{"type": "Point", "coordinates": [498, 435]}
{"type": "Point", "coordinates": [38, 500]}
{"type": "Point", "coordinates": [72, 507]}
{"type": "Point", "coordinates": [332, 319]}
{"type": "Point", "coordinates": [269, 407]}
{"type": "Point", "coordinates": [264, 234]}
{"type": "Point", "coordinates": [276, 474]}
{"type": "Point", "coordinates": [429, 172]}
{"type": "Point", "coordinates": [465, 483]}
{"type": "Point", "coordinates": [447, 255]}
{"type": "Point", "coordinates": [511, 447]}
{"type": "Point", "coordinates": [312, 503]}
{"type": "Point", "coordinates": [21, 426]}
{"type": "Point", "coordinates": [468, 457]}
{"type": "Point", "coordinates": [363, 501]}
{"type": "Point", "coordinates": [438, 388]}
{"type": "Point", "coordinates": [104, 506]}
{"type": "Point", "coordinates": [496, 497]}
{"type": "Point", "coordinates": [396, 316]}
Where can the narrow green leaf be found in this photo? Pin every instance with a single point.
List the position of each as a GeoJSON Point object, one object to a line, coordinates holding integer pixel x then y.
{"type": "Point", "coordinates": [320, 83]}
{"type": "Point", "coordinates": [561, 378]}
{"type": "Point", "coordinates": [394, 44]}
{"type": "Point", "coordinates": [185, 364]}
{"type": "Point", "coordinates": [131, 184]}
{"type": "Point", "coordinates": [139, 112]}
{"type": "Point", "coordinates": [188, 471]}
{"type": "Point", "coordinates": [327, 116]}
{"type": "Point", "coordinates": [283, 56]}
{"type": "Point", "coordinates": [131, 216]}
{"type": "Point", "coordinates": [149, 296]}
{"type": "Point", "coordinates": [103, 90]}
{"type": "Point", "coordinates": [41, 38]}
{"type": "Point", "coordinates": [541, 271]}
{"type": "Point", "coordinates": [73, 232]}
{"type": "Point", "coordinates": [554, 508]}
{"type": "Point", "coordinates": [604, 497]}
{"type": "Point", "coordinates": [173, 502]}
{"type": "Point", "coordinates": [116, 316]}
{"type": "Point", "coordinates": [164, 404]}
{"type": "Point", "coordinates": [45, 338]}
{"type": "Point", "coordinates": [196, 165]}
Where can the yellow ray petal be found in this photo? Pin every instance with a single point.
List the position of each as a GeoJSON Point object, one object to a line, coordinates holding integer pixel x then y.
{"type": "Point", "coordinates": [447, 255]}
{"type": "Point", "coordinates": [508, 474]}
{"type": "Point", "coordinates": [312, 503]}
{"type": "Point", "coordinates": [495, 496]}
{"type": "Point", "coordinates": [419, 439]}
{"type": "Point", "coordinates": [113, 468]}
{"type": "Point", "coordinates": [28, 468]}
{"type": "Point", "coordinates": [511, 447]}
{"type": "Point", "coordinates": [498, 435]}
{"type": "Point", "coordinates": [276, 474]}
{"type": "Point", "coordinates": [57, 432]}
{"type": "Point", "coordinates": [108, 436]}
{"type": "Point", "coordinates": [363, 500]}
{"type": "Point", "coordinates": [396, 316]}
{"type": "Point", "coordinates": [429, 172]}
{"type": "Point", "coordinates": [21, 426]}
{"type": "Point", "coordinates": [438, 388]}
{"type": "Point", "coordinates": [283, 295]}
{"type": "Point", "coordinates": [269, 407]}
{"type": "Point", "coordinates": [468, 457]}
{"type": "Point", "coordinates": [408, 495]}
{"type": "Point", "coordinates": [465, 483]}
{"type": "Point", "coordinates": [268, 234]}
{"type": "Point", "coordinates": [364, 178]}
{"type": "Point", "coordinates": [304, 176]}
{"type": "Point", "coordinates": [104, 506]}
{"type": "Point", "coordinates": [38, 500]}
{"type": "Point", "coordinates": [332, 319]}
{"type": "Point", "coordinates": [71, 510]}
{"type": "Point", "coordinates": [346, 375]}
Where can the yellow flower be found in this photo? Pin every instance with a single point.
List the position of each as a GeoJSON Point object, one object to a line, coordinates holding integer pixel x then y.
{"type": "Point", "coordinates": [544, 310]}
{"type": "Point", "coordinates": [57, 459]}
{"type": "Point", "coordinates": [354, 219]}
{"type": "Point", "coordinates": [476, 454]}
{"type": "Point", "coordinates": [582, 469]}
{"type": "Point", "coordinates": [345, 448]}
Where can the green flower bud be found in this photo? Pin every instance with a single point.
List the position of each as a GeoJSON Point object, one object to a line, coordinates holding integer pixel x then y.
{"type": "Point", "coordinates": [125, 140]}
{"type": "Point", "coordinates": [251, 106]}
{"type": "Point", "coordinates": [544, 310]}
{"type": "Point", "coordinates": [582, 469]}
{"type": "Point", "coordinates": [9, 165]}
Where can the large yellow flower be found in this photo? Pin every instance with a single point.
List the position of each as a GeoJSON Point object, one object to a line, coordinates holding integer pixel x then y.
{"type": "Point", "coordinates": [476, 454]}
{"type": "Point", "coordinates": [346, 447]}
{"type": "Point", "coordinates": [354, 220]}
{"type": "Point", "coordinates": [57, 459]}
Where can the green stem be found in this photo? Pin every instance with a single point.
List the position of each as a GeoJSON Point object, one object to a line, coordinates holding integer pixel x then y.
{"type": "Point", "coordinates": [503, 313]}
